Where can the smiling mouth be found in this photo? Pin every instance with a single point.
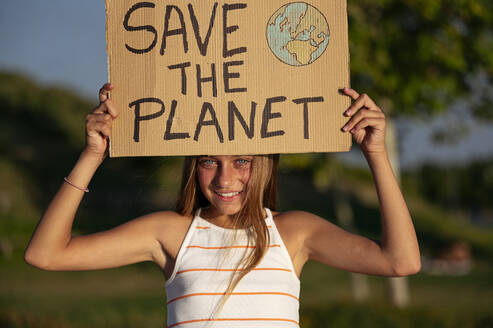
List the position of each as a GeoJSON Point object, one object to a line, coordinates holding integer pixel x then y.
{"type": "Point", "coordinates": [227, 194]}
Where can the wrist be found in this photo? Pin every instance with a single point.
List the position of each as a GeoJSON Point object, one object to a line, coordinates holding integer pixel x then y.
{"type": "Point", "coordinates": [84, 169]}
{"type": "Point", "coordinates": [88, 155]}
{"type": "Point", "coordinates": [376, 155]}
{"type": "Point", "coordinates": [377, 160]}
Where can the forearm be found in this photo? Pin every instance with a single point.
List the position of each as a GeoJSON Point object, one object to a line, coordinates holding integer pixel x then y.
{"type": "Point", "coordinates": [54, 230]}
{"type": "Point", "coordinates": [398, 242]}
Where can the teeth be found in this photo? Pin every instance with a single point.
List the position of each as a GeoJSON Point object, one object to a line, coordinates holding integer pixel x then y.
{"type": "Point", "coordinates": [228, 194]}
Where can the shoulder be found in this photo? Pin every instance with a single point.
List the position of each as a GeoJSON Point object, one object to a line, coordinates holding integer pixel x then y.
{"type": "Point", "coordinates": [301, 220]}
{"type": "Point", "coordinates": [297, 225]}
{"type": "Point", "coordinates": [166, 222]}
{"type": "Point", "coordinates": [295, 228]}
{"type": "Point", "coordinates": [301, 225]}
{"type": "Point", "coordinates": [168, 217]}
{"type": "Point", "coordinates": [169, 230]}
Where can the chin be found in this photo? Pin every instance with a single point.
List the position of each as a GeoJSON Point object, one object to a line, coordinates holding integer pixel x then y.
{"type": "Point", "coordinates": [226, 209]}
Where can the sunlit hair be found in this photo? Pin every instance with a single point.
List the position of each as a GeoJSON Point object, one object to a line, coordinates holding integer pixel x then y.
{"type": "Point", "coordinates": [261, 192]}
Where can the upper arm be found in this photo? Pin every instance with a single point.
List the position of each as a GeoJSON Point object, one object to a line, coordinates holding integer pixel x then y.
{"type": "Point", "coordinates": [132, 242]}
{"type": "Point", "coordinates": [327, 243]}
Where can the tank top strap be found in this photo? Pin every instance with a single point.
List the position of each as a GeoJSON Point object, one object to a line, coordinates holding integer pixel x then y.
{"type": "Point", "coordinates": [276, 238]}
{"type": "Point", "coordinates": [184, 244]}
{"type": "Point", "coordinates": [269, 221]}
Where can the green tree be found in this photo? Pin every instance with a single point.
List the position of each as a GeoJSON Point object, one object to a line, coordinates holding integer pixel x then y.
{"type": "Point", "coordinates": [416, 58]}
{"type": "Point", "coordinates": [419, 56]}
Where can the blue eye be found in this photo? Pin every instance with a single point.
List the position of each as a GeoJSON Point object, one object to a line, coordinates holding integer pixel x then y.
{"type": "Point", "coordinates": [207, 162]}
{"type": "Point", "coordinates": [242, 161]}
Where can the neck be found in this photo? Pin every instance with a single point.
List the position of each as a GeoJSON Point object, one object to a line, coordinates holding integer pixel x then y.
{"type": "Point", "coordinates": [219, 219]}
{"type": "Point", "coordinates": [223, 220]}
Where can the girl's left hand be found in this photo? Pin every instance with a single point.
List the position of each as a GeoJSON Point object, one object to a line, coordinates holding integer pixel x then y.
{"type": "Point", "coordinates": [367, 123]}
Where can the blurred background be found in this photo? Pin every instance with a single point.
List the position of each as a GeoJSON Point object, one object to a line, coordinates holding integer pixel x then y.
{"type": "Point", "coordinates": [428, 64]}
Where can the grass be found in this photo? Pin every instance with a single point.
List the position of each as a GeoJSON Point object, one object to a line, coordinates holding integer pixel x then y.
{"type": "Point", "coordinates": [133, 296]}
{"type": "Point", "coordinates": [125, 297]}
{"type": "Point", "coordinates": [471, 293]}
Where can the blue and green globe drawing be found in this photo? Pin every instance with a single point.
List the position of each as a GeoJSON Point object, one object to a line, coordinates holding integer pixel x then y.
{"type": "Point", "coordinates": [297, 34]}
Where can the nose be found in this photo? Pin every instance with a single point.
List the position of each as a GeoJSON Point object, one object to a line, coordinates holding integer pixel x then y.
{"type": "Point", "coordinates": [224, 176]}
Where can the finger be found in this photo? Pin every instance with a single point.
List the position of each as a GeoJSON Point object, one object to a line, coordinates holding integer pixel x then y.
{"type": "Point", "coordinates": [104, 92]}
{"type": "Point", "coordinates": [100, 109]}
{"type": "Point", "coordinates": [99, 124]}
{"type": "Point", "coordinates": [101, 128]}
{"type": "Point", "coordinates": [106, 131]}
{"type": "Point", "coordinates": [363, 101]}
{"type": "Point", "coordinates": [351, 93]}
{"type": "Point", "coordinates": [369, 103]}
{"type": "Point", "coordinates": [107, 107]}
{"type": "Point", "coordinates": [361, 115]}
{"type": "Point", "coordinates": [374, 122]}
{"type": "Point", "coordinates": [112, 110]}
{"type": "Point", "coordinates": [99, 117]}
{"type": "Point", "coordinates": [93, 128]}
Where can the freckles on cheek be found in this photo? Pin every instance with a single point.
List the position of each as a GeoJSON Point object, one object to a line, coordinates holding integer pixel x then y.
{"type": "Point", "coordinates": [202, 178]}
{"type": "Point", "coordinates": [246, 176]}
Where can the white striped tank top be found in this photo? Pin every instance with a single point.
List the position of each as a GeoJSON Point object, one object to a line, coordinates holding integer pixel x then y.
{"type": "Point", "coordinates": [266, 297]}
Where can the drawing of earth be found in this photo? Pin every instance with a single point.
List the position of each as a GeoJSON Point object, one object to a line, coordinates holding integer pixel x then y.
{"type": "Point", "coordinates": [297, 34]}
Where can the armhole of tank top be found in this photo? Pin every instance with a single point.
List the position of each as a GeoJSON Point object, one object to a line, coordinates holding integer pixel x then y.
{"type": "Point", "coordinates": [281, 242]}
{"type": "Point", "coordinates": [182, 250]}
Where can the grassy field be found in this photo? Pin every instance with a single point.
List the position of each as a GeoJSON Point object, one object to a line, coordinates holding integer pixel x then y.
{"type": "Point", "coordinates": [47, 126]}
{"type": "Point", "coordinates": [134, 296]}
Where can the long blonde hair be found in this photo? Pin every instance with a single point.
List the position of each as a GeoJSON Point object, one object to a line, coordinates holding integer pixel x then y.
{"type": "Point", "coordinates": [261, 192]}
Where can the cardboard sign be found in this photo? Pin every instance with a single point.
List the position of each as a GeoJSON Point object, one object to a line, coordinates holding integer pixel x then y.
{"type": "Point", "coordinates": [228, 77]}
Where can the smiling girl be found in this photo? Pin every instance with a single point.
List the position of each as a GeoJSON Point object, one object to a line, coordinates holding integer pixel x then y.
{"type": "Point", "coordinates": [229, 259]}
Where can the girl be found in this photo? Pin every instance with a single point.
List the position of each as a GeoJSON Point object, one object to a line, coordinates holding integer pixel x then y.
{"type": "Point", "coordinates": [227, 259]}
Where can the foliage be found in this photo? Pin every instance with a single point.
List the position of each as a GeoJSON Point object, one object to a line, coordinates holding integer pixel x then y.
{"type": "Point", "coordinates": [436, 227]}
{"type": "Point", "coordinates": [455, 187]}
{"type": "Point", "coordinates": [41, 135]}
{"type": "Point", "coordinates": [417, 56]}
{"type": "Point", "coordinates": [343, 315]}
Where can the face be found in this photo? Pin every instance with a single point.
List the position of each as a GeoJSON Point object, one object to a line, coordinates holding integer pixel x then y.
{"type": "Point", "coordinates": [223, 181]}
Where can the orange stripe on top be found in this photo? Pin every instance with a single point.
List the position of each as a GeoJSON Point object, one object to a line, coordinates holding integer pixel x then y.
{"type": "Point", "coordinates": [238, 293]}
{"type": "Point", "coordinates": [225, 247]}
{"type": "Point", "coordinates": [198, 227]}
{"type": "Point", "coordinates": [229, 270]}
{"type": "Point", "coordinates": [232, 319]}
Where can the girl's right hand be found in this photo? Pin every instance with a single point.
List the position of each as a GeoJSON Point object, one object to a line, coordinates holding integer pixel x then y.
{"type": "Point", "coordinates": [99, 124]}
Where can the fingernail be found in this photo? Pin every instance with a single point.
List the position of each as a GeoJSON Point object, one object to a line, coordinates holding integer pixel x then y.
{"type": "Point", "coordinates": [353, 130]}
{"type": "Point", "coordinates": [344, 128]}
{"type": "Point", "coordinates": [347, 113]}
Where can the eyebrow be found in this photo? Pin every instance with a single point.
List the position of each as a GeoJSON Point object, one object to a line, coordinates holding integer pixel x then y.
{"type": "Point", "coordinates": [215, 156]}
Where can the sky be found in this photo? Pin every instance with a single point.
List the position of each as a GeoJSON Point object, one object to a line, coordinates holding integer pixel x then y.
{"type": "Point", "coordinates": [60, 42]}
{"type": "Point", "coordinates": [56, 41]}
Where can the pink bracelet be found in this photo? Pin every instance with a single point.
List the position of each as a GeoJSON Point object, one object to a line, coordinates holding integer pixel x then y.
{"type": "Point", "coordinates": [76, 187]}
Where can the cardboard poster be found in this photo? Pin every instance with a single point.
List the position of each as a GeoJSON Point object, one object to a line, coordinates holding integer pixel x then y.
{"type": "Point", "coordinates": [228, 77]}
